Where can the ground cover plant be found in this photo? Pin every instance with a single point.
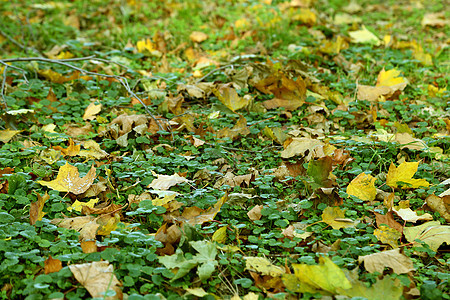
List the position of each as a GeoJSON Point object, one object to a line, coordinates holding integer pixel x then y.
{"type": "Point", "coordinates": [224, 149]}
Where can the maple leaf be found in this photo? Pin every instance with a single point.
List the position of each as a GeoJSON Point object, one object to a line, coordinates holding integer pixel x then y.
{"type": "Point", "coordinates": [324, 277]}
{"type": "Point", "coordinates": [263, 266]}
{"type": "Point", "coordinates": [335, 217]}
{"type": "Point", "coordinates": [230, 98]}
{"type": "Point", "coordinates": [431, 233]}
{"type": "Point", "coordinates": [97, 277]}
{"type": "Point", "coordinates": [164, 182]}
{"type": "Point", "coordinates": [363, 187]}
{"type": "Point", "coordinates": [68, 180]}
{"type": "Point", "coordinates": [403, 174]}
{"type": "Point", "coordinates": [72, 150]}
{"type": "Point", "coordinates": [399, 263]}
{"type": "Point", "coordinates": [387, 235]}
{"type": "Point", "coordinates": [91, 111]}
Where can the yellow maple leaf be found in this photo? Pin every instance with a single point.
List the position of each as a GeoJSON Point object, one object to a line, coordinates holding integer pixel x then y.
{"type": "Point", "coordinates": [91, 111]}
{"type": "Point", "coordinates": [78, 205]}
{"type": "Point", "coordinates": [324, 277]}
{"type": "Point", "coordinates": [391, 78]}
{"type": "Point", "coordinates": [335, 217]}
{"type": "Point", "coordinates": [404, 174]}
{"type": "Point", "coordinates": [263, 265]}
{"type": "Point", "coordinates": [71, 150]}
{"type": "Point", "coordinates": [363, 187]}
{"type": "Point", "coordinates": [387, 235]}
{"type": "Point", "coordinates": [68, 180]}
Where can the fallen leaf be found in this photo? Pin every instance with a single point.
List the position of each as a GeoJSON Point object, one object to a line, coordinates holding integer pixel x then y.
{"type": "Point", "coordinates": [363, 187]}
{"type": "Point", "coordinates": [431, 233]}
{"type": "Point", "coordinates": [198, 36]}
{"type": "Point", "coordinates": [68, 180]}
{"type": "Point", "coordinates": [440, 205]}
{"type": "Point", "coordinates": [409, 215]}
{"type": "Point", "coordinates": [326, 276]}
{"type": "Point", "coordinates": [220, 235]}
{"type": "Point", "coordinates": [387, 235]}
{"type": "Point", "coordinates": [98, 278]}
{"type": "Point", "coordinates": [52, 265]}
{"type": "Point", "coordinates": [403, 174]}
{"type": "Point", "coordinates": [78, 205]}
{"type": "Point", "coordinates": [7, 134]}
{"type": "Point", "coordinates": [255, 213]}
{"type": "Point", "coordinates": [164, 182]}
{"type": "Point", "coordinates": [364, 36]}
{"type": "Point", "coordinates": [85, 225]}
{"type": "Point", "coordinates": [388, 82]}
{"type": "Point", "coordinates": [300, 146]}
{"type": "Point", "coordinates": [91, 111]}
{"type": "Point", "coordinates": [230, 98]}
{"type": "Point", "coordinates": [36, 213]}
{"type": "Point", "coordinates": [263, 266]}
{"type": "Point", "coordinates": [387, 289]}
{"type": "Point", "coordinates": [398, 262]}
{"type": "Point", "coordinates": [335, 217]}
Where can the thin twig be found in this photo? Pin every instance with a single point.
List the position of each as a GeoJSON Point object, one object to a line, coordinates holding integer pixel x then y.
{"type": "Point", "coordinates": [23, 47]}
{"type": "Point", "coordinates": [3, 88]}
{"type": "Point", "coordinates": [123, 80]}
{"type": "Point", "coordinates": [214, 71]}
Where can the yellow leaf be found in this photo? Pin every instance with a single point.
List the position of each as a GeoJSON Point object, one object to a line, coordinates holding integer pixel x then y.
{"type": "Point", "coordinates": [263, 266]}
{"type": "Point", "coordinates": [404, 174]}
{"type": "Point", "coordinates": [198, 36]}
{"type": "Point", "coordinates": [432, 233]}
{"type": "Point", "coordinates": [335, 217]}
{"type": "Point", "coordinates": [363, 187]}
{"type": "Point", "coordinates": [387, 235]}
{"type": "Point", "coordinates": [7, 134]}
{"type": "Point", "coordinates": [68, 180]}
{"type": "Point", "coordinates": [107, 223]}
{"type": "Point", "coordinates": [163, 201]}
{"type": "Point", "coordinates": [391, 78]}
{"type": "Point", "coordinates": [220, 235]}
{"type": "Point", "coordinates": [78, 205]}
{"type": "Point", "coordinates": [364, 36]}
{"type": "Point", "coordinates": [230, 98]}
{"type": "Point", "coordinates": [326, 276]}
{"type": "Point", "coordinates": [91, 111]}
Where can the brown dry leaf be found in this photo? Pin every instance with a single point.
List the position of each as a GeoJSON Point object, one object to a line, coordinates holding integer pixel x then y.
{"type": "Point", "coordinates": [388, 235]}
{"type": "Point", "coordinates": [36, 213]}
{"type": "Point", "coordinates": [71, 150]}
{"type": "Point", "coordinates": [198, 36]}
{"type": "Point", "coordinates": [75, 131]}
{"type": "Point", "coordinates": [97, 277]}
{"type": "Point", "coordinates": [91, 111]}
{"type": "Point", "coordinates": [169, 237]}
{"type": "Point", "coordinates": [52, 265]}
{"type": "Point", "coordinates": [126, 123]}
{"type": "Point", "coordinates": [440, 205]}
{"type": "Point", "coordinates": [89, 246]}
{"type": "Point", "coordinates": [434, 20]}
{"type": "Point", "coordinates": [197, 216]}
{"type": "Point", "coordinates": [388, 219]}
{"type": "Point", "coordinates": [255, 213]}
{"type": "Point", "coordinates": [68, 180]}
{"type": "Point", "coordinates": [335, 217]}
{"type": "Point", "coordinates": [239, 129]}
{"type": "Point", "coordinates": [398, 262]}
